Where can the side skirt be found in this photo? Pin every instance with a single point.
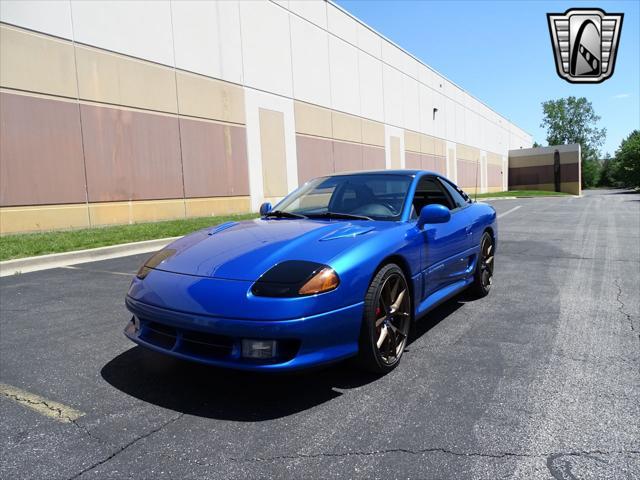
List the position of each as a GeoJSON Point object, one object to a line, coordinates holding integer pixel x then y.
{"type": "Point", "coordinates": [442, 295]}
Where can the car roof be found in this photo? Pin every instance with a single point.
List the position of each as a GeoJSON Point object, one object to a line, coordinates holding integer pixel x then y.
{"type": "Point", "coordinates": [385, 172]}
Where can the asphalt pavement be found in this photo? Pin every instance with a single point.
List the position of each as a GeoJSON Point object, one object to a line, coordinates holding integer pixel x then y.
{"type": "Point", "coordinates": [539, 380]}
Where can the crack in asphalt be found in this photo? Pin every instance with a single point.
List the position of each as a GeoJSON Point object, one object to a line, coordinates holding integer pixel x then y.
{"type": "Point", "coordinates": [433, 450]}
{"type": "Point", "coordinates": [90, 434]}
{"type": "Point", "coordinates": [126, 446]}
{"type": "Point", "coordinates": [622, 305]}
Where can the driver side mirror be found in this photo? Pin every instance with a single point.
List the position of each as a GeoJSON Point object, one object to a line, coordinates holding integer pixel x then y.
{"type": "Point", "coordinates": [265, 208]}
{"type": "Point", "coordinates": [433, 213]}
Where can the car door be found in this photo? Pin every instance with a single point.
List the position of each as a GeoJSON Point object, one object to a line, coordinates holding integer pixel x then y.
{"type": "Point", "coordinates": [464, 209]}
{"type": "Point", "coordinates": [442, 243]}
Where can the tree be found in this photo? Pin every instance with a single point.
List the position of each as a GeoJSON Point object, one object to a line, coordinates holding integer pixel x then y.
{"type": "Point", "coordinates": [608, 171]}
{"type": "Point", "coordinates": [573, 120]}
{"type": "Point", "coordinates": [628, 160]}
{"type": "Point", "coordinates": [536, 144]}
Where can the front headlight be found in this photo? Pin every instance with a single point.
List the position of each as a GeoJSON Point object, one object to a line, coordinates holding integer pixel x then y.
{"type": "Point", "coordinates": [295, 278]}
{"type": "Point", "coordinates": [323, 281]}
{"type": "Point", "coordinates": [155, 260]}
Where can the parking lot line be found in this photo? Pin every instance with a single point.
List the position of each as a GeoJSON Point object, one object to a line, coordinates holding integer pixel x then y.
{"type": "Point", "coordinates": [43, 406]}
{"type": "Point", "coordinates": [503, 214]}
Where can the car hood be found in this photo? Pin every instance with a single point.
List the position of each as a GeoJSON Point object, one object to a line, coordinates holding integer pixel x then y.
{"type": "Point", "coordinates": [246, 250]}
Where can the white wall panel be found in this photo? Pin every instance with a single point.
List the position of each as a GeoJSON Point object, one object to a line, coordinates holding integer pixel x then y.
{"type": "Point", "coordinates": [459, 131]}
{"type": "Point", "coordinates": [450, 120]}
{"type": "Point", "coordinates": [371, 89]}
{"type": "Point", "coordinates": [399, 59]}
{"type": "Point", "coordinates": [345, 81]}
{"type": "Point", "coordinates": [439, 123]}
{"type": "Point", "coordinates": [266, 52]}
{"type": "Point", "coordinates": [392, 81]}
{"type": "Point", "coordinates": [369, 41]}
{"type": "Point", "coordinates": [313, 10]}
{"type": "Point", "coordinates": [410, 103]}
{"type": "Point", "coordinates": [310, 61]}
{"type": "Point", "coordinates": [426, 109]}
{"type": "Point", "coordinates": [196, 34]}
{"type": "Point", "coordinates": [425, 75]}
{"type": "Point", "coordinates": [52, 16]}
{"type": "Point", "coordinates": [229, 41]}
{"type": "Point", "coordinates": [341, 24]}
{"type": "Point", "coordinates": [138, 28]}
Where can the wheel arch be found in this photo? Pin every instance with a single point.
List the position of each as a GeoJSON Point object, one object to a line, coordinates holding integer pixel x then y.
{"type": "Point", "coordinates": [489, 229]}
{"type": "Point", "coordinates": [403, 264]}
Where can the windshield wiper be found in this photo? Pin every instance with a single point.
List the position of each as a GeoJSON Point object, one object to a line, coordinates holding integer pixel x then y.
{"type": "Point", "coordinates": [345, 216]}
{"type": "Point", "coordinates": [281, 214]}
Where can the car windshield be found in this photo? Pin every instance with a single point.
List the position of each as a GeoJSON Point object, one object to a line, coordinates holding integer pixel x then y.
{"type": "Point", "coordinates": [368, 196]}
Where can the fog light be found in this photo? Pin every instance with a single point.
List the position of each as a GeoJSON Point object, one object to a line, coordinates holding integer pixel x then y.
{"type": "Point", "coordinates": [258, 348]}
{"type": "Point", "coordinates": [136, 324]}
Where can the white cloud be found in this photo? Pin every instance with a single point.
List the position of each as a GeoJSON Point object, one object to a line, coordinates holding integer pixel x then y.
{"type": "Point", "coordinates": [622, 95]}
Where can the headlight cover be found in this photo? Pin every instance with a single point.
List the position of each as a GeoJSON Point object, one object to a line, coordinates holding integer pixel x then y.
{"type": "Point", "coordinates": [155, 260]}
{"type": "Point", "coordinates": [295, 278]}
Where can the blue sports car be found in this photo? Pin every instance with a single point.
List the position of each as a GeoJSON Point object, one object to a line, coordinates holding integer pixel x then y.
{"type": "Point", "coordinates": [339, 268]}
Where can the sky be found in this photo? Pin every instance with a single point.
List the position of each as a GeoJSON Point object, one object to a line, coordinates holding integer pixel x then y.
{"type": "Point", "coordinates": [500, 52]}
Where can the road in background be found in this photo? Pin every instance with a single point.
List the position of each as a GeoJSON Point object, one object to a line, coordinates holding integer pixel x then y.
{"type": "Point", "coordinates": [539, 380]}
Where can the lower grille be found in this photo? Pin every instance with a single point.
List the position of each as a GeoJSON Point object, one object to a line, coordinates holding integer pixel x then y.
{"type": "Point", "coordinates": [206, 344]}
{"type": "Point", "coordinates": [159, 335]}
{"type": "Point", "coordinates": [190, 341]}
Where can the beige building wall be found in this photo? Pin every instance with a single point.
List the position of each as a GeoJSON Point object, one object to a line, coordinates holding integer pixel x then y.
{"type": "Point", "coordinates": [101, 124]}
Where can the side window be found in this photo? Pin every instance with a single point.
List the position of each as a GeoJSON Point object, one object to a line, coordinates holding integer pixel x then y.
{"type": "Point", "coordinates": [457, 197]}
{"type": "Point", "coordinates": [429, 191]}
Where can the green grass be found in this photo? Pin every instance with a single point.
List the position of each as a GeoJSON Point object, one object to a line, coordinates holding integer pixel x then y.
{"type": "Point", "coordinates": [520, 193]}
{"type": "Point", "coordinates": [31, 244]}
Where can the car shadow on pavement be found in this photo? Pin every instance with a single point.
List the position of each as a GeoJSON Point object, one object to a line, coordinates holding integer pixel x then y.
{"type": "Point", "coordinates": [210, 392]}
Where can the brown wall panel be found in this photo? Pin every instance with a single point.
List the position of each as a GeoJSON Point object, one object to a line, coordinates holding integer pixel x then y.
{"type": "Point", "coordinates": [467, 172]}
{"type": "Point", "coordinates": [40, 151]}
{"type": "Point", "coordinates": [494, 175]}
{"type": "Point", "coordinates": [373, 158]}
{"type": "Point", "coordinates": [214, 159]}
{"type": "Point", "coordinates": [315, 157]}
{"type": "Point", "coordinates": [347, 157]}
{"type": "Point", "coordinates": [412, 160]}
{"type": "Point", "coordinates": [428, 162]}
{"type": "Point", "coordinates": [542, 174]}
{"type": "Point", "coordinates": [131, 155]}
{"type": "Point", "coordinates": [433, 163]}
{"type": "Point", "coordinates": [440, 165]}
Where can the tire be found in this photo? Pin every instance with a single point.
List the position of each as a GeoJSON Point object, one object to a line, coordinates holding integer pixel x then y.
{"type": "Point", "coordinates": [483, 274]}
{"type": "Point", "coordinates": [386, 322]}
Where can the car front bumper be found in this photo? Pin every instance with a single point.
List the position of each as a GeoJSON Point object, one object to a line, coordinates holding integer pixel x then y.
{"type": "Point", "coordinates": [303, 342]}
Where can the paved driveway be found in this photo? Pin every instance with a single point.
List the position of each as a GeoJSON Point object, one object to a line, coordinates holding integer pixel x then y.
{"type": "Point", "coordinates": [539, 380]}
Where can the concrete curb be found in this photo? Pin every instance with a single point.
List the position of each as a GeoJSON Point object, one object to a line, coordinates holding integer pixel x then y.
{"type": "Point", "coordinates": [55, 260]}
{"type": "Point", "coordinates": [529, 196]}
